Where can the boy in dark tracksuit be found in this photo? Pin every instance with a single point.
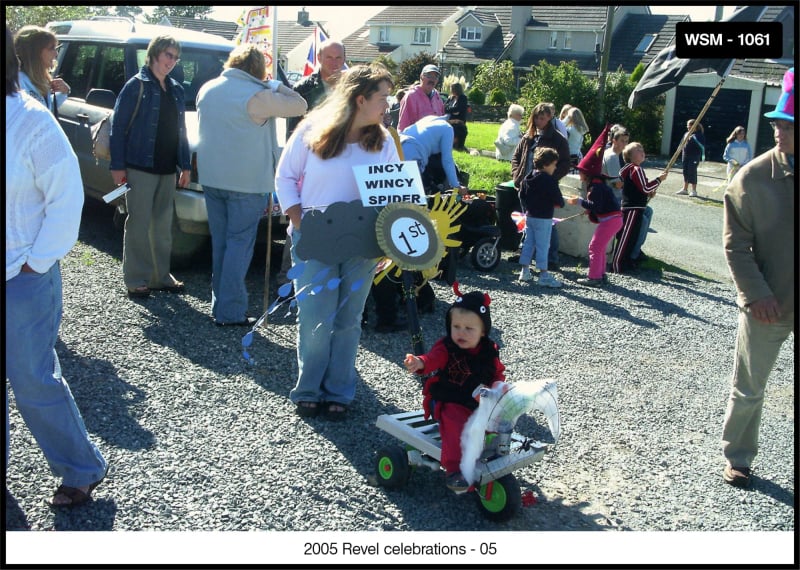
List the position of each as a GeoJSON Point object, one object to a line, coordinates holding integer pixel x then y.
{"type": "Point", "coordinates": [637, 190]}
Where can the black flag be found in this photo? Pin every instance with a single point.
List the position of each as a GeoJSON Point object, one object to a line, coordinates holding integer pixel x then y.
{"type": "Point", "coordinates": [666, 71]}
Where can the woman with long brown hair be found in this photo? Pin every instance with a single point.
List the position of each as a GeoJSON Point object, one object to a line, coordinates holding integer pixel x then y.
{"type": "Point", "coordinates": [315, 171]}
{"type": "Point", "coordinates": [37, 50]}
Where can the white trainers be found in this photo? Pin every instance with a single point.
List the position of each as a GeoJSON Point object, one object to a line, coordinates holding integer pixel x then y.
{"type": "Point", "coordinates": [547, 280]}
{"type": "Point", "coordinates": [692, 194]}
{"type": "Point", "coordinates": [525, 274]}
{"type": "Point", "coordinates": [682, 192]}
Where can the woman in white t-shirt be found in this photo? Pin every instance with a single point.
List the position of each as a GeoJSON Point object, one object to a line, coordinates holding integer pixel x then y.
{"type": "Point", "coordinates": [315, 171]}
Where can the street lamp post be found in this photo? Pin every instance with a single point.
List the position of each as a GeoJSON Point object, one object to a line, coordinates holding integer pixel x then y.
{"type": "Point", "coordinates": [442, 58]}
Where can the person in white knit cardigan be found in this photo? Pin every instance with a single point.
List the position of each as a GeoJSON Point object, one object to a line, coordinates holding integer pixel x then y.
{"type": "Point", "coordinates": [509, 135]}
{"type": "Point", "coordinates": [44, 198]}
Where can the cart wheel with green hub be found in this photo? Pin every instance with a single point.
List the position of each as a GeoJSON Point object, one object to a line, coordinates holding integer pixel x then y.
{"type": "Point", "coordinates": [500, 499]}
{"type": "Point", "coordinates": [391, 467]}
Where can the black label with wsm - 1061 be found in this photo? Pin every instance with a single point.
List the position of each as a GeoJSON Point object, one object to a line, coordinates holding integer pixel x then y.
{"type": "Point", "coordinates": [729, 40]}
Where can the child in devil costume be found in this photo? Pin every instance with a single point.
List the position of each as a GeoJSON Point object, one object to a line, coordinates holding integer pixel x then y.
{"type": "Point", "coordinates": [462, 361]}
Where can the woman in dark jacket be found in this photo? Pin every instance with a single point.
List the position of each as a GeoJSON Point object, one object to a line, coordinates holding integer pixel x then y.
{"type": "Point", "coordinates": [148, 147]}
{"type": "Point", "coordinates": [456, 106]}
{"type": "Point", "coordinates": [693, 154]}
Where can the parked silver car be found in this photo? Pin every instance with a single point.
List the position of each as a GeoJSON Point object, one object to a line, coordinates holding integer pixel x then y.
{"type": "Point", "coordinates": [96, 57]}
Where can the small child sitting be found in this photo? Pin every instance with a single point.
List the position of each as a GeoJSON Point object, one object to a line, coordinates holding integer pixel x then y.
{"type": "Point", "coordinates": [539, 195]}
{"type": "Point", "coordinates": [463, 360]}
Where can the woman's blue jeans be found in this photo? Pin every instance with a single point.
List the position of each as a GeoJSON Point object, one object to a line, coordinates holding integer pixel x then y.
{"type": "Point", "coordinates": [233, 221]}
{"type": "Point", "coordinates": [43, 398]}
{"type": "Point", "coordinates": [329, 326]}
{"type": "Point", "coordinates": [537, 235]}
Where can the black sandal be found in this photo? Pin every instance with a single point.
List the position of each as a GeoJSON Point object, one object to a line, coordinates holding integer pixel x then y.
{"type": "Point", "coordinates": [307, 409]}
{"type": "Point", "coordinates": [335, 411]}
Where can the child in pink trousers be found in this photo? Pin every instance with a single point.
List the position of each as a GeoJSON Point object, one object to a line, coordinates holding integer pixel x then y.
{"type": "Point", "coordinates": [462, 361]}
{"type": "Point", "coordinates": [603, 209]}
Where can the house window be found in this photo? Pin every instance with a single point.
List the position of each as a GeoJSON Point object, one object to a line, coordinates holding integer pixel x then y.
{"type": "Point", "coordinates": [422, 36]}
{"type": "Point", "coordinates": [567, 40]}
{"type": "Point", "coordinates": [469, 33]}
{"type": "Point", "coordinates": [645, 43]}
{"type": "Point", "coordinates": [553, 40]}
{"type": "Point", "coordinates": [383, 34]}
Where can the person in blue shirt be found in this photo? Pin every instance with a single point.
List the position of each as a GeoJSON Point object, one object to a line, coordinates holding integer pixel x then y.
{"type": "Point", "coordinates": [431, 136]}
{"type": "Point", "coordinates": [737, 151]}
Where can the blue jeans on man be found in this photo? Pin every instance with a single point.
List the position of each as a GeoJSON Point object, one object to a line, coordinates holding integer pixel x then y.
{"type": "Point", "coordinates": [329, 326]}
{"type": "Point", "coordinates": [43, 398]}
{"type": "Point", "coordinates": [233, 221]}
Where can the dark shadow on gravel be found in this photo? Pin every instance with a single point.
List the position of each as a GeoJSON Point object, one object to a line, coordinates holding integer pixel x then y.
{"type": "Point", "coordinates": [767, 487]}
{"type": "Point", "coordinates": [15, 516]}
{"type": "Point", "coordinates": [174, 324]}
{"type": "Point", "coordinates": [608, 309]}
{"type": "Point", "coordinates": [113, 418]}
{"type": "Point", "coordinates": [97, 228]}
{"type": "Point", "coordinates": [655, 303]}
{"type": "Point", "coordinates": [98, 514]}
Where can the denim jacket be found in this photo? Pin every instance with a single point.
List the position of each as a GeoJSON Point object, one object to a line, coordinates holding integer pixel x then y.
{"type": "Point", "coordinates": [137, 147]}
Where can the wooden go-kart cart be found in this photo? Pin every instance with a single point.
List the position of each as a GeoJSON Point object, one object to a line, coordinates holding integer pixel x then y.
{"type": "Point", "coordinates": [504, 451]}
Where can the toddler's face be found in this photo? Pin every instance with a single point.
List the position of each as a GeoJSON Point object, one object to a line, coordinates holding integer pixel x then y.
{"type": "Point", "coordinates": [466, 328]}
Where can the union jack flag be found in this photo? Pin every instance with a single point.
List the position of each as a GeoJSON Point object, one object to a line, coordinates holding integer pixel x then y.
{"type": "Point", "coordinates": [311, 60]}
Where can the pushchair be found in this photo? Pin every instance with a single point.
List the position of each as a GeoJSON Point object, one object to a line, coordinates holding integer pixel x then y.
{"type": "Point", "coordinates": [479, 233]}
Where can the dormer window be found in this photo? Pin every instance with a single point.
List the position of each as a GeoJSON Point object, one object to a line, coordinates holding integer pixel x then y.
{"type": "Point", "coordinates": [554, 40]}
{"type": "Point", "coordinates": [383, 35]}
{"type": "Point", "coordinates": [422, 36]}
{"type": "Point", "coordinates": [470, 34]}
{"type": "Point", "coordinates": [645, 43]}
{"type": "Point", "coordinates": [567, 40]}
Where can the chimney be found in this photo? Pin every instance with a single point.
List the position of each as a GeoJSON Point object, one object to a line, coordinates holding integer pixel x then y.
{"type": "Point", "coordinates": [302, 17]}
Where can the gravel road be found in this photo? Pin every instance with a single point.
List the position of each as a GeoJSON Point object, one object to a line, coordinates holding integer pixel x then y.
{"type": "Point", "coordinates": [199, 440]}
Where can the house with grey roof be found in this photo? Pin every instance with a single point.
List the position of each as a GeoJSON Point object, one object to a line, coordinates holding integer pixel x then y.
{"type": "Point", "coordinates": [751, 89]}
{"type": "Point", "coordinates": [462, 37]}
{"type": "Point", "coordinates": [401, 32]}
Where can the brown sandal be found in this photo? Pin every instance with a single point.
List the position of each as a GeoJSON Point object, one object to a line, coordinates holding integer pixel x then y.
{"type": "Point", "coordinates": [176, 287]}
{"type": "Point", "coordinates": [76, 496]}
{"type": "Point", "coordinates": [139, 292]}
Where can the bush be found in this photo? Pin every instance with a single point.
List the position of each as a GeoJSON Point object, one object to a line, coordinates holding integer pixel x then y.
{"type": "Point", "coordinates": [410, 69]}
{"type": "Point", "coordinates": [476, 96]}
{"type": "Point", "coordinates": [489, 76]}
{"type": "Point", "coordinates": [497, 97]}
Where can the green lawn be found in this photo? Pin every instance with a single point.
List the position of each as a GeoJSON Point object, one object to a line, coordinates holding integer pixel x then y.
{"type": "Point", "coordinates": [482, 135]}
{"type": "Point", "coordinates": [485, 173]}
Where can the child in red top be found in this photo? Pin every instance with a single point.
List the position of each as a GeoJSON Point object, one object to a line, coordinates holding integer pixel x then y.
{"type": "Point", "coordinates": [463, 360]}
